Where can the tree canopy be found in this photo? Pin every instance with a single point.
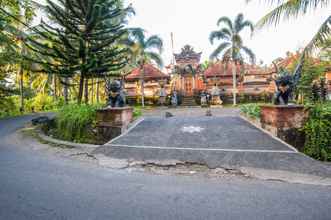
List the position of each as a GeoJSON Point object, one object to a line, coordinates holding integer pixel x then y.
{"type": "Point", "coordinates": [81, 40]}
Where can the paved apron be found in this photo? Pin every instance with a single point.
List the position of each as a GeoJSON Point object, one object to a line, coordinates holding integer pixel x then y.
{"type": "Point", "coordinates": [203, 133]}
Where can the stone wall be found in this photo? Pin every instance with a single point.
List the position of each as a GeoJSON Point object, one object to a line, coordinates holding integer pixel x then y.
{"type": "Point", "coordinates": [285, 122]}
{"type": "Point", "coordinates": [112, 122]}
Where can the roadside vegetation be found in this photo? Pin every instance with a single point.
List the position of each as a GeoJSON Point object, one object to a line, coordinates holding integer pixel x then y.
{"type": "Point", "coordinates": [318, 132]}
{"type": "Point", "coordinates": [251, 110]}
{"type": "Point", "coordinates": [77, 123]}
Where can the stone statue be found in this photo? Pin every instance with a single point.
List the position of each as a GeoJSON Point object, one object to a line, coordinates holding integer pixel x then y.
{"type": "Point", "coordinates": [215, 94]}
{"type": "Point", "coordinates": [115, 98]}
{"type": "Point", "coordinates": [174, 98]}
{"type": "Point", "coordinates": [286, 83]}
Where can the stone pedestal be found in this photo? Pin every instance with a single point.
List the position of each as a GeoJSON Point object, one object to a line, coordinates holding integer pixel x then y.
{"type": "Point", "coordinates": [285, 121]}
{"type": "Point", "coordinates": [112, 122]}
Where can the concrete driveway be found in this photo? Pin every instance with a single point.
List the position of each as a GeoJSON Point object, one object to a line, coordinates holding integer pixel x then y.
{"type": "Point", "coordinates": [218, 141]}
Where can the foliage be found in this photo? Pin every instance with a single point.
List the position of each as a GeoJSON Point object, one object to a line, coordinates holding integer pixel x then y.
{"type": "Point", "coordinates": [232, 47]}
{"type": "Point", "coordinates": [294, 9]}
{"type": "Point", "coordinates": [252, 110]}
{"type": "Point", "coordinates": [143, 50]}
{"type": "Point", "coordinates": [9, 106]}
{"type": "Point", "coordinates": [232, 44]}
{"type": "Point", "coordinates": [76, 122]}
{"type": "Point", "coordinates": [73, 122]}
{"type": "Point", "coordinates": [318, 132]}
{"type": "Point", "coordinates": [43, 102]}
{"type": "Point", "coordinates": [81, 40]}
{"type": "Point", "coordinates": [311, 72]}
{"type": "Point", "coordinates": [137, 112]}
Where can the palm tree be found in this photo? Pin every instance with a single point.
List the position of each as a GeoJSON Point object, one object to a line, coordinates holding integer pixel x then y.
{"type": "Point", "coordinates": [144, 50]}
{"type": "Point", "coordinates": [232, 48]}
{"type": "Point", "coordinates": [293, 9]}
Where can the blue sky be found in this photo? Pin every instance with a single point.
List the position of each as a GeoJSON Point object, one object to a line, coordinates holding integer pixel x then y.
{"type": "Point", "coordinates": [192, 21]}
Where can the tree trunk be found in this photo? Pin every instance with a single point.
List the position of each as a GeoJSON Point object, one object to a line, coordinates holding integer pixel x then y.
{"type": "Point", "coordinates": [98, 92]}
{"type": "Point", "coordinates": [92, 91]}
{"type": "Point", "coordinates": [234, 82]}
{"type": "Point", "coordinates": [80, 91]}
{"type": "Point", "coordinates": [142, 86]}
{"type": "Point", "coordinates": [21, 90]}
{"type": "Point", "coordinates": [66, 90]}
{"type": "Point", "coordinates": [54, 86]}
{"type": "Point", "coordinates": [86, 91]}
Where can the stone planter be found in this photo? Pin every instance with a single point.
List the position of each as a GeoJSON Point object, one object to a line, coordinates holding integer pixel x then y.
{"type": "Point", "coordinates": [112, 122]}
{"type": "Point", "coordinates": [285, 122]}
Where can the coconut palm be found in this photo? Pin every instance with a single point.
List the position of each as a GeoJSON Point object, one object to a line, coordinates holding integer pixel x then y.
{"type": "Point", "coordinates": [231, 47]}
{"type": "Point", "coordinates": [142, 50]}
{"type": "Point", "coordinates": [293, 9]}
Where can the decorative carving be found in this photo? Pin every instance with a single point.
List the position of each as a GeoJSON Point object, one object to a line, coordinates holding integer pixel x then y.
{"type": "Point", "coordinates": [116, 97]}
{"type": "Point", "coordinates": [286, 83]}
{"type": "Point", "coordinates": [188, 55]}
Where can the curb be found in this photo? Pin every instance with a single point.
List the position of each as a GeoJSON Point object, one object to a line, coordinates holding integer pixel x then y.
{"type": "Point", "coordinates": [49, 139]}
{"type": "Point", "coordinates": [269, 134]}
{"type": "Point", "coordinates": [64, 143]}
{"type": "Point", "coordinates": [286, 176]}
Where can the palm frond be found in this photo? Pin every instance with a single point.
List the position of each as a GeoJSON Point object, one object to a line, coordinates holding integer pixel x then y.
{"type": "Point", "coordinates": [290, 9]}
{"type": "Point", "coordinates": [250, 54]}
{"type": "Point", "coordinates": [222, 34]}
{"type": "Point", "coordinates": [246, 24]}
{"type": "Point", "coordinates": [154, 42]}
{"type": "Point", "coordinates": [238, 22]}
{"type": "Point", "coordinates": [219, 50]}
{"type": "Point", "coordinates": [322, 36]}
{"type": "Point", "coordinates": [156, 58]}
{"type": "Point", "coordinates": [227, 21]}
{"type": "Point", "coordinates": [137, 34]}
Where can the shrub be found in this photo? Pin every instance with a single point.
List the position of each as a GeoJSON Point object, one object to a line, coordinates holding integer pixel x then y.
{"type": "Point", "coordinates": [318, 132]}
{"type": "Point", "coordinates": [43, 102]}
{"type": "Point", "coordinates": [251, 110]}
{"type": "Point", "coordinates": [9, 106]}
{"type": "Point", "coordinates": [137, 112]}
{"type": "Point", "coordinates": [76, 122]}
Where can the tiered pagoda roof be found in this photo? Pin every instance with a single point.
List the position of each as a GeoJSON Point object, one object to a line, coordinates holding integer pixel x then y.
{"type": "Point", "coordinates": [150, 73]}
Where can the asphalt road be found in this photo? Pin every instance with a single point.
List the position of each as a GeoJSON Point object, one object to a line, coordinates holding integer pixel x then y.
{"type": "Point", "coordinates": [35, 185]}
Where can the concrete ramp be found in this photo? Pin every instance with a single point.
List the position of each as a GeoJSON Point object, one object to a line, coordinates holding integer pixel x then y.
{"type": "Point", "coordinates": [227, 141]}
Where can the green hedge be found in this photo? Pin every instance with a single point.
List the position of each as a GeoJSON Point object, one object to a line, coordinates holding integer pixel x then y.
{"type": "Point", "coordinates": [76, 122]}
{"type": "Point", "coordinates": [318, 132]}
{"type": "Point", "coordinates": [252, 110]}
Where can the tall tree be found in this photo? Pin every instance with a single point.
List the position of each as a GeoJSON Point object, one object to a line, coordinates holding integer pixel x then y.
{"type": "Point", "coordinates": [143, 50]}
{"type": "Point", "coordinates": [15, 16]}
{"type": "Point", "coordinates": [232, 47]}
{"type": "Point", "coordinates": [81, 40]}
{"type": "Point", "coordinates": [287, 9]}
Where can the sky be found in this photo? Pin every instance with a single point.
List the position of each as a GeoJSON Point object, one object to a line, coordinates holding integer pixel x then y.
{"type": "Point", "coordinates": [191, 22]}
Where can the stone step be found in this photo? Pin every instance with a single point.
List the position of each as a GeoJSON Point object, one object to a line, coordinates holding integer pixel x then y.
{"type": "Point", "coordinates": [188, 101]}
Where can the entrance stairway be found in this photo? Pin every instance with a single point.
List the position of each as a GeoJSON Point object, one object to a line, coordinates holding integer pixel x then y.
{"type": "Point", "coordinates": [188, 101]}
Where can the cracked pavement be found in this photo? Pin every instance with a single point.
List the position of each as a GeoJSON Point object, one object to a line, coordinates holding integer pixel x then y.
{"type": "Point", "coordinates": [40, 183]}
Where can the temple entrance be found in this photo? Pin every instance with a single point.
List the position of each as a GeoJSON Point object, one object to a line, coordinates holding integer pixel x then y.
{"type": "Point", "coordinates": [187, 68]}
{"type": "Point", "coordinates": [188, 86]}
